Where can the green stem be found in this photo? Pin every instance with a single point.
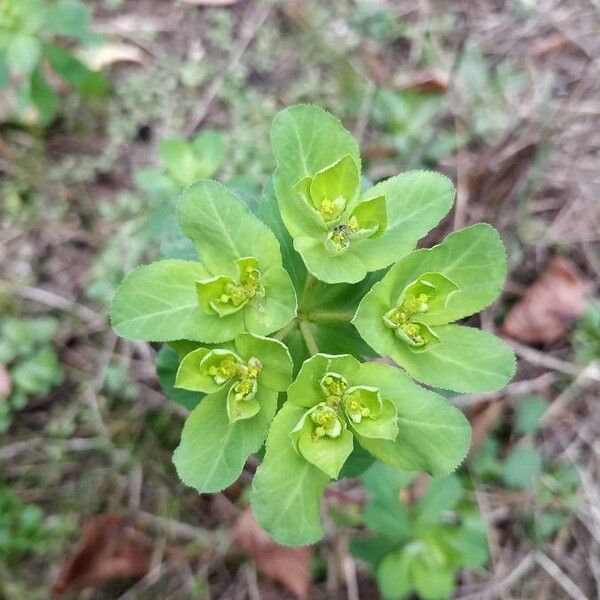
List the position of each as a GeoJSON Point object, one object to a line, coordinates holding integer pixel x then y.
{"type": "Point", "coordinates": [324, 316]}
{"type": "Point", "coordinates": [285, 331]}
{"type": "Point", "coordinates": [310, 287]}
{"type": "Point", "coordinates": [309, 338]}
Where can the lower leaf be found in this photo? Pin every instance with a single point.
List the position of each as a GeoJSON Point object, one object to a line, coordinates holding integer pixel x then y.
{"type": "Point", "coordinates": [287, 489]}
{"type": "Point", "coordinates": [433, 436]}
{"type": "Point", "coordinates": [212, 451]}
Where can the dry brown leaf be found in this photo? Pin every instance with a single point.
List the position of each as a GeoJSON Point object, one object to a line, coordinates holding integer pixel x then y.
{"type": "Point", "coordinates": [5, 382]}
{"type": "Point", "coordinates": [549, 44]}
{"type": "Point", "coordinates": [288, 566]}
{"type": "Point", "coordinates": [110, 549]}
{"type": "Point", "coordinates": [550, 306]}
{"type": "Point", "coordinates": [424, 82]}
{"type": "Point", "coordinates": [99, 57]}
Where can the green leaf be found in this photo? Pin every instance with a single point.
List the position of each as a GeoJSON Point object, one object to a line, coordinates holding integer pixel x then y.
{"type": "Point", "coordinates": [89, 83]}
{"type": "Point", "coordinates": [39, 373]}
{"type": "Point", "coordinates": [179, 159]}
{"type": "Point", "coordinates": [473, 259]}
{"type": "Point", "coordinates": [269, 214]}
{"type": "Point", "coordinates": [276, 370]}
{"type": "Point", "coordinates": [384, 425]}
{"type": "Point", "coordinates": [43, 97]}
{"type": "Point", "coordinates": [210, 150]}
{"type": "Point", "coordinates": [384, 513]}
{"type": "Point", "coordinates": [287, 489]}
{"type": "Point", "coordinates": [194, 371]}
{"type": "Point", "coordinates": [313, 152]}
{"type": "Point", "coordinates": [463, 359]}
{"type": "Point", "coordinates": [167, 363]}
{"type": "Point", "coordinates": [372, 549]}
{"type": "Point", "coordinates": [393, 575]}
{"type": "Point", "coordinates": [358, 462]}
{"type": "Point", "coordinates": [306, 390]}
{"type": "Point", "coordinates": [522, 467]}
{"type": "Point", "coordinates": [306, 139]}
{"type": "Point", "coordinates": [329, 267]}
{"type": "Point", "coordinates": [330, 192]}
{"type": "Point", "coordinates": [471, 543]}
{"type": "Point", "coordinates": [212, 451]}
{"type": "Point", "coordinates": [224, 230]}
{"type": "Point", "coordinates": [277, 308]}
{"type": "Point", "coordinates": [442, 495]}
{"type": "Point", "coordinates": [528, 413]}
{"type": "Point", "coordinates": [158, 302]}
{"type": "Point", "coordinates": [433, 435]}
{"type": "Point", "coordinates": [4, 72]}
{"type": "Point", "coordinates": [68, 18]}
{"type": "Point", "coordinates": [416, 201]}
{"type": "Point", "coordinates": [328, 451]}
{"type": "Point", "coordinates": [23, 53]}
{"type": "Point", "coordinates": [432, 582]}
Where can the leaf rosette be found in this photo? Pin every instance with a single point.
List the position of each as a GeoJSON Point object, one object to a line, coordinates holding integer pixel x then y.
{"type": "Point", "coordinates": [239, 283]}
{"type": "Point", "coordinates": [242, 383]}
{"type": "Point", "coordinates": [335, 401]}
{"type": "Point", "coordinates": [340, 232]}
{"type": "Point", "coordinates": [409, 315]}
{"type": "Point", "coordinates": [417, 547]}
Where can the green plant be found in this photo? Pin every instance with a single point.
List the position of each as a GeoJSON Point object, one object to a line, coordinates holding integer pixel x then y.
{"type": "Point", "coordinates": [549, 490]}
{"type": "Point", "coordinates": [32, 364]}
{"type": "Point", "coordinates": [421, 546]}
{"type": "Point", "coordinates": [148, 225]}
{"type": "Point", "coordinates": [320, 238]}
{"type": "Point", "coordinates": [586, 338]}
{"type": "Point", "coordinates": [22, 527]}
{"type": "Point", "coordinates": [32, 34]}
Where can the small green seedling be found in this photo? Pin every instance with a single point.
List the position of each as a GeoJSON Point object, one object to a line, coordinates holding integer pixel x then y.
{"type": "Point", "coordinates": [32, 35]}
{"type": "Point", "coordinates": [31, 362]}
{"type": "Point", "coordinates": [420, 547]}
{"type": "Point", "coordinates": [267, 328]}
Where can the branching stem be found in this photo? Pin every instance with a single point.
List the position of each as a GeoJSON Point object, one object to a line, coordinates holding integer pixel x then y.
{"type": "Point", "coordinates": [309, 338]}
{"type": "Point", "coordinates": [326, 316]}
{"type": "Point", "coordinates": [285, 331]}
{"type": "Point", "coordinates": [310, 287]}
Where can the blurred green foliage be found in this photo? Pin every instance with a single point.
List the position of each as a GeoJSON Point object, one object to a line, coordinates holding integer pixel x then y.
{"type": "Point", "coordinates": [586, 337]}
{"type": "Point", "coordinates": [23, 529]}
{"type": "Point", "coordinates": [422, 546]}
{"type": "Point", "coordinates": [31, 361]}
{"type": "Point", "coordinates": [32, 42]}
{"type": "Point", "coordinates": [551, 488]}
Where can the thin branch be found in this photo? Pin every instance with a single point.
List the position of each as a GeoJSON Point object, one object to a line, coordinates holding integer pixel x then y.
{"type": "Point", "coordinates": [324, 316]}
{"type": "Point", "coordinates": [565, 582]}
{"type": "Point", "coordinates": [309, 338]}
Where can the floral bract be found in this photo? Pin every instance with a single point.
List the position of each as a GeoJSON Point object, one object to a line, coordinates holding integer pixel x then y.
{"type": "Point", "coordinates": [242, 385]}
{"type": "Point", "coordinates": [238, 285]}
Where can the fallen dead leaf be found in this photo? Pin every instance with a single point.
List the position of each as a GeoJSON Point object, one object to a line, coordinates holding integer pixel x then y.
{"type": "Point", "coordinates": [424, 82]}
{"type": "Point", "coordinates": [110, 548]}
{"type": "Point", "coordinates": [5, 382]}
{"type": "Point", "coordinates": [550, 306]}
{"type": "Point", "coordinates": [549, 44]}
{"type": "Point", "coordinates": [99, 57]}
{"type": "Point", "coordinates": [288, 566]}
